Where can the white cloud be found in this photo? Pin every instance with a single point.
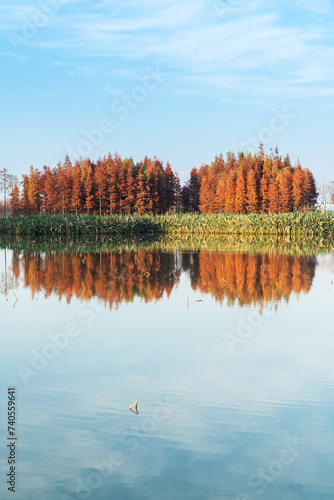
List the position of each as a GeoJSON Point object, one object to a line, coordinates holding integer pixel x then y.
{"type": "Point", "coordinates": [250, 51]}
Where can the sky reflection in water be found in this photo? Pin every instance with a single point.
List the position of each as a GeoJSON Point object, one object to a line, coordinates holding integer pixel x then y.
{"type": "Point", "coordinates": [217, 420]}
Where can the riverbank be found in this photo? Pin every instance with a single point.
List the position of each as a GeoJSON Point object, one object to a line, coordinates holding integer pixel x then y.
{"type": "Point", "coordinates": [303, 224]}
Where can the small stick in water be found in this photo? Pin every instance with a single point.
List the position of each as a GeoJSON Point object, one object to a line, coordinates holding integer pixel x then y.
{"type": "Point", "coordinates": [134, 404]}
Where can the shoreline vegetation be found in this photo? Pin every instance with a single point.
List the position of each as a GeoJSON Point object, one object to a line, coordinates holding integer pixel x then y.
{"type": "Point", "coordinates": [308, 225]}
{"type": "Point", "coordinates": [247, 196]}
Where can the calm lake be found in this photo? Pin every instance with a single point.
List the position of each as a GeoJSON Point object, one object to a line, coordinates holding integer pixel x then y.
{"type": "Point", "coordinates": [229, 355]}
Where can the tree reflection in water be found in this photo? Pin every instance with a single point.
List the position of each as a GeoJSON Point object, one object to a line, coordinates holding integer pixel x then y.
{"type": "Point", "coordinates": [114, 277]}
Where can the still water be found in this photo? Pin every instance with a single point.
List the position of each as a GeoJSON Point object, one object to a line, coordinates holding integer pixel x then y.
{"type": "Point", "coordinates": [229, 355]}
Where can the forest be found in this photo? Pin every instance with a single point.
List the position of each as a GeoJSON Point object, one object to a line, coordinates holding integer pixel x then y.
{"type": "Point", "coordinates": [240, 184]}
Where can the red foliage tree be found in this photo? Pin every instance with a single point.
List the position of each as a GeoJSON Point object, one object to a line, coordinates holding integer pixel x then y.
{"type": "Point", "coordinates": [252, 192]}
{"type": "Point", "coordinates": [230, 192]}
{"type": "Point", "coordinates": [48, 190]}
{"type": "Point", "coordinates": [240, 194]}
{"type": "Point", "coordinates": [297, 188]}
{"type": "Point", "coordinates": [76, 202]}
{"type": "Point", "coordinates": [285, 183]}
{"type": "Point", "coordinates": [100, 179]}
{"type": "Point", "coordinates": [15, 200]}
{"type": "Point", "coordinates": [34, 190]}
{"type": "Point", "coordinates": [113, 169]}
{"type": "Point", "coordinates": [144, 203]}
{"type": "Point", "coordinates": [168, 201]}
{"type": "Point", "coordinates": [87, 177]}
{"type": "Point", "coordinates": [130, 187]}
{"type": "Point", "coordinates": [25, 202]}
{"type": "Point", "coordinates": [274, 197]}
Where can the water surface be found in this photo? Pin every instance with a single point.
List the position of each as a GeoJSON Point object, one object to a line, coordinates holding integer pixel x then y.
{"type": "Point", "coordinates": [228, 353]}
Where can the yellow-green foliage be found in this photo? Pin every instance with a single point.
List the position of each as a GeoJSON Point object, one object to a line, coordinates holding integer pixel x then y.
{"type": "Point", "coordinates": [310, 224]}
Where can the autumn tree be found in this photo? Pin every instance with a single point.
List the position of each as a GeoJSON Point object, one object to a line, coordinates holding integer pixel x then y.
{"type": "Point", "coordinates": [101, 183]}
{"type": "Point", "coordinates": [285, 184]}
{"type": "Point", "coordinates": [168, 201]}
{"type": "Point", "coordinates": [113, 170]}
{"type": "Point", "coordinates": [274, 197]}
{"type": "Point", "coordinates": [25, 201]}
{"type": "Point", "coordinates": [252, 192]}
{"type": "Point", "coordinates": [297, 187]}
{"type": "Point", "coordinates": [144, 203]}
{"type": "Point", "coordinates": [154, 188]}
{"type": "Point", "coordinates": [130, 194]}
{"type": "Point", "coordinates": [87, 178]}
{"type": "Point", "coordinates": [33, 190]}
{"type": "Point", "coordinates": [230, 192]}
{"type": "Point", "coordinates": [66, 182]}
{"type": "Point", "coordinates": [15, 200]}
{"type": "Point", "coordinates": [194, 189]}
{"type": "Point", "coordinates": [219, 201]}
{"type": "Point", "coordinates": [178, 194]}
{"type": "Point", "coordinates": [240, 193]}
{"type": "Point", "coordinates": [77, 196]}
{"type": "Point", "coordinates": [205, 195]}
{"type": "Point", "coordinates": [310, 193]}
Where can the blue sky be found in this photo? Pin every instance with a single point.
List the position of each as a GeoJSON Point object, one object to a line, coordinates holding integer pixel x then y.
{"type": "Point", "coordinates": [182, 80]}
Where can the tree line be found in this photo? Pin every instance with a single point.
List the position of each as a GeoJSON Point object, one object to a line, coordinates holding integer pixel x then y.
{"type": "Point", "coordinates": [258, 183]}
{"type": "Point", "coordinates": [111, 185]}
{"type": "Point", "coordinates": [238, 184]}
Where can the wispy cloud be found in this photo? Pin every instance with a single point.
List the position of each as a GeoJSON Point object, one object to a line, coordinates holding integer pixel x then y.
{"type": "Point", "coordinates": [318, 7]}
{"type": "Point", "coordinates": [113, 91]}
{"type": "Point", "coordinates": [253, 50]}
{"type": "Point", "coordinates": [12, 55]}
{"type": "Point", "coordinates": [85, 71]}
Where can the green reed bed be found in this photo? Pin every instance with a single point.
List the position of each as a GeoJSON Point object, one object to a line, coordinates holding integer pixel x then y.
{"type": "Point", "coordinates": [287, 224]}
{"type": "Point", "coordinates": [307, 224]}
{"type": "Point", "coordinates": [79, 225]}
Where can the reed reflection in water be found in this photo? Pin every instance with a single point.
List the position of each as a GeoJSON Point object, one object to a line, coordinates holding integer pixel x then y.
{"type": "Point", "coordinates": [114, 277]}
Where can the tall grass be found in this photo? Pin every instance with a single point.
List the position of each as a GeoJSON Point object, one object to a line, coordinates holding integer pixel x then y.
{"type": "Point", "coordinates": [310, 224]}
